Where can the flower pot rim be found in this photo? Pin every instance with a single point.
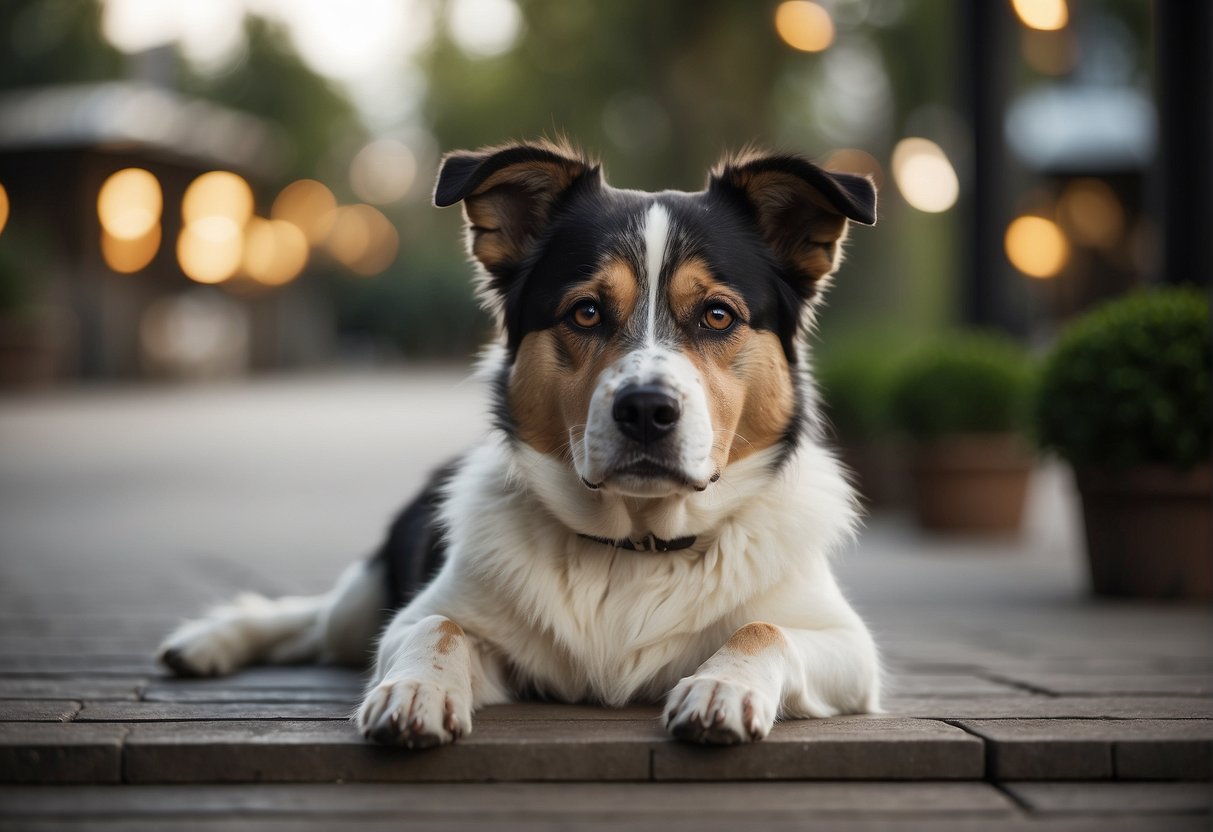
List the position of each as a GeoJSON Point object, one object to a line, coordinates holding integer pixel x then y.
{"type": "Point", "coordinates": [993, 452]}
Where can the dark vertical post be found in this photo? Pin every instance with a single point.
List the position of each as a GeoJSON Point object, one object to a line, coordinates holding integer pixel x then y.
{"type": "Point", "coordinates": [1183, 48]}
{"type": "Point", "coordinates": [986, 63]}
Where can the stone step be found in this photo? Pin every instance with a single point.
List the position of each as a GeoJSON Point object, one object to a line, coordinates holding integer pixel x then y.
{"type": "Point", "coordinates": [516, 742]}
{"type": "Point", "coordinates": [148, 742]}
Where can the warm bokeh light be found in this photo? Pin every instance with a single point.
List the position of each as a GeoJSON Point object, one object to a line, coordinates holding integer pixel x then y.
{"type": "Point", "coordinates": [383, 171]}
{"type": "Point", "coordinates": [275, 251]}
{"type": "Point", "coordinates": [924, 175]}
{"type": "Point", "coordinates": [804, 25]}
{"type": "Point", "coordinates": [1046, 15]}
{"type": "Point", "coordinates": [219, 193]}
{"type": "Point", "coordinates": [3, 208]}
{"type": "Point", "coordinates": [210, 249]}
{"type": "Point", "coordinates": [129, 203]}
{"type": "Point", "coordinates": [363, 239]}
{"type": "Point", "coordinates": [853, 160]}
{"type": "Point", "coordinates": [1092, 213]}
{"type": "Point", "coordinates": [309, 205]}
{"type": "Point", "coordinates": [130, 256]}
{"type": "Point", "coordinates": [484, 28]}
{"type": "Point", "coordinates": [1037, 246]}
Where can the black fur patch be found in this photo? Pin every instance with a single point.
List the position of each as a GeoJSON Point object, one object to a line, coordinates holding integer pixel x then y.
{"type": "Point", "coordinates": [415, 549]}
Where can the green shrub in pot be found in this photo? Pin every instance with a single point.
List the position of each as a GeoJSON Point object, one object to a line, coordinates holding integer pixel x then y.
{"type": "Point", "coordinates": [1128, 385]}
{"type": "Point", "coordinates": [1125, 398]}
{"type": "Point", "coordinates": [853, 376]}
{"type": "Point", "coordinates": [963, 401]}
{"type": "Point", "coordinates": [963, 383]}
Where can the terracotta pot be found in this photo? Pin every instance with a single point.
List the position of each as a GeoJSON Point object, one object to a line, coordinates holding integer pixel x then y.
{"type": "Point", "coordinates": [1149, 531]}
{"type": "Point", "coordinates": [878, 472]}
{"type": "Point", "coordinates": [971, 483]}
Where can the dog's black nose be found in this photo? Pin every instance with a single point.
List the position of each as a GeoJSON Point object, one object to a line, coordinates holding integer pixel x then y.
{"type": "Point", "coordinates": [646, 412]}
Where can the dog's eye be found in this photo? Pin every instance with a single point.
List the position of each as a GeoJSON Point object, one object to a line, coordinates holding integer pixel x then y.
{"type": "Point", "coordinates": [586, 314]}
{"type": "Point", "coordinates": [718, 317]}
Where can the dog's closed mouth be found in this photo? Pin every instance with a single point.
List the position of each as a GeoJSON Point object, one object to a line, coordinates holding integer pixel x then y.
{"type": "Point", "coordinates": [650, 470]}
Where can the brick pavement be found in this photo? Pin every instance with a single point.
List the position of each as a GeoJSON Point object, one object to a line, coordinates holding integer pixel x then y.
{"type": "Point", "coordinates": [1015, 701]}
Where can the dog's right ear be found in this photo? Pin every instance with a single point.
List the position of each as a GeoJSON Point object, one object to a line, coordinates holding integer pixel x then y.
{"type": "Point", "coordinates": [508, 194]}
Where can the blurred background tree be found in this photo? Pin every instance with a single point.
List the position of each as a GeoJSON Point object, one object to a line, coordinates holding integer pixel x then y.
{"type": "Point", "coordinates": [657, 91]}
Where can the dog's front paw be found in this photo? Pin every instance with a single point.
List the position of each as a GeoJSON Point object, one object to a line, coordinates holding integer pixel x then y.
{"type": "Point", "coordinates": [414, 714]}
{"type": "Point", "coordinates": [719, 711]}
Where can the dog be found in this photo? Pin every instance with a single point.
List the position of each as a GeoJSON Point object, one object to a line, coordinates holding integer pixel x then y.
{"type": "Point", "coordinates": [653, 514]}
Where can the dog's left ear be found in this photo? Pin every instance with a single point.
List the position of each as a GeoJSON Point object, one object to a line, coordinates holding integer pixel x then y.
{"type": "Point", "coordinates": [508, 194]}
{"type": "Point", "coordinates": [801, 210]}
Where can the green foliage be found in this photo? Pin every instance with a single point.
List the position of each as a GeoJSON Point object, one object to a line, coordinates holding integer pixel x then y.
{"type": "Point", "coordinates": [272, 82]}
{"type": "Point", "coordinates": [54, 42]}
{"type": "Point", "coordinates": [426, 309]}
{"type": "Point", "coordinates": [1128, 384]}
{"type": "Point", "coordinates": [965, 382]}
{"type": "Point", "coordinates": [853, 376]}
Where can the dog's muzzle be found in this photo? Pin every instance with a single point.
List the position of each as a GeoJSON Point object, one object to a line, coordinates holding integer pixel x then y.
{"type": "Point", "coordinates": [646, 413]}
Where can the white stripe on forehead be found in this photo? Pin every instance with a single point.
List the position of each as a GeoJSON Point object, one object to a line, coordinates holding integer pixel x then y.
{"type": "Point", "coordinates": [656, 241]}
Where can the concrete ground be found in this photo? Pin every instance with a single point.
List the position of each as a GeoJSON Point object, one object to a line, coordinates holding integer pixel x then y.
{"type": "Point", "coordinates": [1016, 700]}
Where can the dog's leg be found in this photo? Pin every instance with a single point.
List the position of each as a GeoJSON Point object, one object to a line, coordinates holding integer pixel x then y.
{"type": "Point", "coordinates": [423, 690]}
{"type": "Point", "coordinates": [764, 672]}
{"type": "Point", "coordinates": [338, 626]}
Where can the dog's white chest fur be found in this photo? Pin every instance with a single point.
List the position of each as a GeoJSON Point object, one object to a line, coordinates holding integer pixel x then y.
{"type": "Point", "coordinates": [581, 620]}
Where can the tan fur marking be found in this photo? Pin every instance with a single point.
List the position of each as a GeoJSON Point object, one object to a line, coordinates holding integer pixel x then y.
{"type": "Point", "coordinates": [746, 376]}
{"type": "Point", "coordinates": [451, 633]}
{"type": "Point", "coordinates": [770, 398]}
{"type": "Point", "coordinates": [692, 283]}
{"type": "Point", "coordinates": [551, 402]}
{"type": "Point", "coordinates": [796, 220]}
{"type": "Point", "coordinates": [755, 637]}
{"type": "Point", "coordinates": [508, 208]}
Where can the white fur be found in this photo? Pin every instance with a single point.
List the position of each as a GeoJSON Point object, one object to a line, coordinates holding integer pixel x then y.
{"type": "Point", "coordinates": [580, 621]}
{"type": "Point", "coordinates": [656, 243]}
{"type": "Point", "coordinates": [602, 449]}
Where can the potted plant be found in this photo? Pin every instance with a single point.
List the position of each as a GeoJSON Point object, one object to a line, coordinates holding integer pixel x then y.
{"type": "Point", "coordinates": [963, 400]}
{"type": "Point", "coordinates": [1125, 398]}
{"type": "Point", "coordinates": [853, 379]}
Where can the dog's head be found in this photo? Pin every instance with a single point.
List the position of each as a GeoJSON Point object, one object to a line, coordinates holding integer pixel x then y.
{"type": "Point", "coordinates": [651, 338]}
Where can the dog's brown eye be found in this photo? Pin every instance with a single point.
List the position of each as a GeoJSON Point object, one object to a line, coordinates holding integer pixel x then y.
{"type": "Point", "coordinates": [718, 317]}
{"type": "Point", "coordinates": [586, 314]}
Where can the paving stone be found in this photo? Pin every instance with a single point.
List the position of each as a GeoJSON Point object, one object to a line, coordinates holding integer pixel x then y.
{"type": "Point", "coordinates": [768, 820]}
{"type": "Point", "coordinates": [1180, 758]}
{"type": "Point", "coordinates": [1054, 707]}
{"type": "Point", "coordinates": [132, 624]}
{"type": "Point", "coordinates": [78, 665]}
{"type": "Point", "coordinates": [535, 799]}
{"type": "Point", "coordinates": [284, 677]}
{"type": "Point", "coordinates": [1106, 798]}
{"type": "Point", "coordinates": [1107, 665]}
{"type": "Point", "coordinates": [549, 711]}
{"type": "Point", "coordinates": [1095, 749]}
{"type": "Point", "coordinates": [329, 751]}
{"type": "Point", "coordinates": [58, 687]}
{"type": "Point", "coordinates": [1104, 684]}
{"type": "Point", "coordinates": [209, 711]}
{"type": "Point", "coordinates": [947, 684]}
{"type": "Point", "coordinates": [44, 752]}
{"type": "Point", "coordinates": [38, 710]}
{"type": "Point", "coordinates": [263, 684]}
{"type": "Point", "coordinates": [841, 748]}
{"type": "Point", "coordinates": [171, 692]}
{"type": "Point", "coordinates": [99, 644]}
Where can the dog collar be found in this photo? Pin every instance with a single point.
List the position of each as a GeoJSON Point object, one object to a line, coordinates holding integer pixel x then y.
{"type": "Point", "coordinates": [649, 543]}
